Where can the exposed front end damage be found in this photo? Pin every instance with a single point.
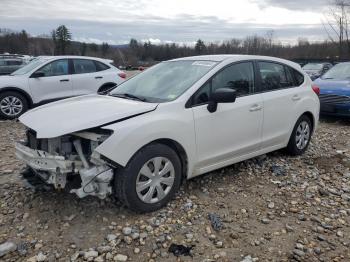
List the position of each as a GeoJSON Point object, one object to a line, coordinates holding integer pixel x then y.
{"type": "Point", "coordinates": [71, 157]}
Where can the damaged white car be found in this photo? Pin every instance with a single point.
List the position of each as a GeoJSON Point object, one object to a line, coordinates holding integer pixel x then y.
{"type": "Point", "coordinates": [174, 121]}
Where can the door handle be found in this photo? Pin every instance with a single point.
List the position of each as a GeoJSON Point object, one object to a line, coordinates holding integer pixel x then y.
{"type": "Point", "coordinates": [255, 108]}
{"type": "Point", "coordinates": [296, 98]}
{"type": "Point", "coordinates": [64, 80]}
{"type": "Point", "coordinates": [98, 77]}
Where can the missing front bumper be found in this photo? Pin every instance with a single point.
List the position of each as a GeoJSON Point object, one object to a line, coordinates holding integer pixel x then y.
{"type": "Point", "coordinates": [53, 169]}
{"type": "Point", "coordinates": [43, 161]}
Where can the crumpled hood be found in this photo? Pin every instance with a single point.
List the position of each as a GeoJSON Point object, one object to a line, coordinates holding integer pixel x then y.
{"type": "Point", "coordinates": [80, 113]}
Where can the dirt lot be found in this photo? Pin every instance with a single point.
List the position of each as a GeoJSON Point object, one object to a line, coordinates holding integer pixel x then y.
{"type": "Point", "coordinates": [273, 208]}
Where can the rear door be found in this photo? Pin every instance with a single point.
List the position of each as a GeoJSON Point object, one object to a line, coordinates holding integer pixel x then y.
{"type": "Point", "coordinates": [281, 96]}
{"type": "Point", "coordinates": [55, 84]}
{"type": "Point", "coordinates": [87, 77]}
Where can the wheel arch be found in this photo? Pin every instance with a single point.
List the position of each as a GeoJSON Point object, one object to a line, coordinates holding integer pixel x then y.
{"type": "Point", "coordinates": [20, 91]}
{"type": "Point", "coordinates": [179, 150]}
{"type": "Point", "coordinates": [311, 117]}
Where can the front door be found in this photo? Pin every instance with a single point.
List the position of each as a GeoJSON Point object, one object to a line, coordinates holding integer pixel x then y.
{"type": "Point", "coordinates": [234, 130]}
{"type": "Point", "coordinates": [56, 82]}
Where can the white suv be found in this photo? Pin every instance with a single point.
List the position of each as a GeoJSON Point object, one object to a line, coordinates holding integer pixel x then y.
{"type": "Point", "coordinates": [174, 121]}
{"type": "Point", "coordinates": [47, 79]}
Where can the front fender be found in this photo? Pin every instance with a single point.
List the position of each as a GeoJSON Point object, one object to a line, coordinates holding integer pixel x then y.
{"type": "Point", "coordinates": [131, 135]}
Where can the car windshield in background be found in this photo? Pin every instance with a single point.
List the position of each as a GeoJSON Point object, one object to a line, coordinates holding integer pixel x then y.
{"type": "Point", "coordinates": [164, 82]}
{"type": "Point", "coordinates": [29, 67]}
{"type": "Point", "coordinates": [340, 71]}
{"type": "Point", "coordinates": [313, 67]}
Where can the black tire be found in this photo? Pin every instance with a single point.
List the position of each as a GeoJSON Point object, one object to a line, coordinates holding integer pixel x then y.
{"type": "Point", "coordinates": [125, 178]}
{"type": "Point", "coordinates": [5, 114]}
{"type": "Point", "coordinates": [292, 147]}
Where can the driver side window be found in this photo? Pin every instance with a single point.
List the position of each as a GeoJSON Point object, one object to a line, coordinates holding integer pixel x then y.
{"type": "Point", "coordinates": [239, 77]}
{"type": "Point", "coordinates": [55, 68]}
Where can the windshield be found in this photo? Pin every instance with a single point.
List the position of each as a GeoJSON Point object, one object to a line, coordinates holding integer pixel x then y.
{"type": "Point", "coordinates": [164, 82]}
{"type": "Point", "coordinates": [29, 67]}
{"type": "Point", "coordinates": [340, 71]}
{"type": "Point", "coordinates": [313, 67]}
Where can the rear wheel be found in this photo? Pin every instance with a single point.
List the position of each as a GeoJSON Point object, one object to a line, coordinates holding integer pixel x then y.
{"type": "Point", "coordinates": [150, 180]}
{"type": "Point", "coordinates": [12, 105]}
{"type": "Point", "coordinates": [301, 136]}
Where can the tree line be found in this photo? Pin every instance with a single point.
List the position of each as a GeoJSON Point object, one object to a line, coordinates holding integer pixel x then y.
{"type": "Point", "coordinates": [145, 53]}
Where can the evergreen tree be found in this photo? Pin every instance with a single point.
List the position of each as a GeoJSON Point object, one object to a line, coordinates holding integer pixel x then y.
{"type": "Point", "coordinates": [61, 38]}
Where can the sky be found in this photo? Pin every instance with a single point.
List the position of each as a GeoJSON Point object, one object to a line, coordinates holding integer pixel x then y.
{"type": "Point", "coordinates": [168, 21]}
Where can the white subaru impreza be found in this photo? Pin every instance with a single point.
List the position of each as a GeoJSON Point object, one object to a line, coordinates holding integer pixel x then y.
{"type": "Point", "coordinates": [177, 120]}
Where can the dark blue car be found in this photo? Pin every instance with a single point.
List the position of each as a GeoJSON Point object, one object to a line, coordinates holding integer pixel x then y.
{"type": "Point", "coordinates": [335, 90]}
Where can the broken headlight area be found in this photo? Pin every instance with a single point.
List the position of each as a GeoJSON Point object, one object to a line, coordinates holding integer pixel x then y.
{"type": "Point", "coordinates": [66, 159]}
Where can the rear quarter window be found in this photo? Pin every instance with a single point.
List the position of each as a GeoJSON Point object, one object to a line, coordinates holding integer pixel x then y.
{"type": "Point", "coordinates": [101, 66]}
{"type": "Point", "coordinates": [299, 77]}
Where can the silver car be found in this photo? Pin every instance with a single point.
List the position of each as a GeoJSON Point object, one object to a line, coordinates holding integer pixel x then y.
{"type": "Point", "coordinates": [9, 65]}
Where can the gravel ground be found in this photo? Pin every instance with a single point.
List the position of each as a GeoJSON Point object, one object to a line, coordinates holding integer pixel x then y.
{"type": "Point", "coordinates": [271, 208]}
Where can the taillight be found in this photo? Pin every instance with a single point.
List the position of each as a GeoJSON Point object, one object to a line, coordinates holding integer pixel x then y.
{"type": "Point", "coordinates": [316, 89]}
{"type": "Point", "coordinates": [122, 75]}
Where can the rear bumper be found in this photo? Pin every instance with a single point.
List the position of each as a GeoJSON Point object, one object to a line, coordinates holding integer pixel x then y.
{"type": "Point", "coordinates": [43, 161]}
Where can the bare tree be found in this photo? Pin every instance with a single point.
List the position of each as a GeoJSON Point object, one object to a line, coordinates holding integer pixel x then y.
{"type": "Point", "coordinates": [337, 25]}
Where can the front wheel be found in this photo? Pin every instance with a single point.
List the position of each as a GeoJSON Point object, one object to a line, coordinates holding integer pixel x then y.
{"type": "Point", "coordinates": [150, 179]}
{"type": "Point", "coordinates": [12, 105]}
{"type": "Point", "coordinates": [301, 136]}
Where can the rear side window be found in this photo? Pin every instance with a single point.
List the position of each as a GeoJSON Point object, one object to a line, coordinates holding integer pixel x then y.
{"type": "Point", "coordinates": [101, 66]}
{"type": "Point", "coordinates": [2, 62]}
{"type": "Point", "coordinates": [84, 66]}
{"type": "Point", "coordinates": [274, 76]}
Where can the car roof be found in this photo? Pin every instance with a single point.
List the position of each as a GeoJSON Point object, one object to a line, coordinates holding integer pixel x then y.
{"type": "Point", "coordinates": [234, 58]}
{"type": "Point", "coordinates": [76, 57]}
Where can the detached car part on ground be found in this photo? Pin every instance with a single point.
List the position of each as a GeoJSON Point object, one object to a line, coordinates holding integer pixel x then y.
{"type": "Point", "coordinates": [174, 121]}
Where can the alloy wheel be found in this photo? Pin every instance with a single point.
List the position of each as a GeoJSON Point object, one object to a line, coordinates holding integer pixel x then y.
{"type": "Point", "coordinates": [11, 106]}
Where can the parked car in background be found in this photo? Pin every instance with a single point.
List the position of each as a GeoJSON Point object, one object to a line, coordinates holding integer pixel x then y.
{"type": "Point", "coordinates": [315, 70]}
{"type": "Point", "coordinates": [46, 79]}
{"type": "Point", "coordinates": [174, 121]}
{"type": "Point", "coordinates": [9, 65]}
{"type": "Point", "coordinates": [335, 91]}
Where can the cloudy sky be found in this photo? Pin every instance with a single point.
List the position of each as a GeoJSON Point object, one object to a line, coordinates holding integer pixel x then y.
{"type": "Point", "coordinates": [116, 21]}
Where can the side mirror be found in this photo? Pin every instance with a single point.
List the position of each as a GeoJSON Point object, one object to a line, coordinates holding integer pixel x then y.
{"type": "Point", "coordinates": [221, 95]}
{"type": "Point", "coordinates": [38, 74]}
